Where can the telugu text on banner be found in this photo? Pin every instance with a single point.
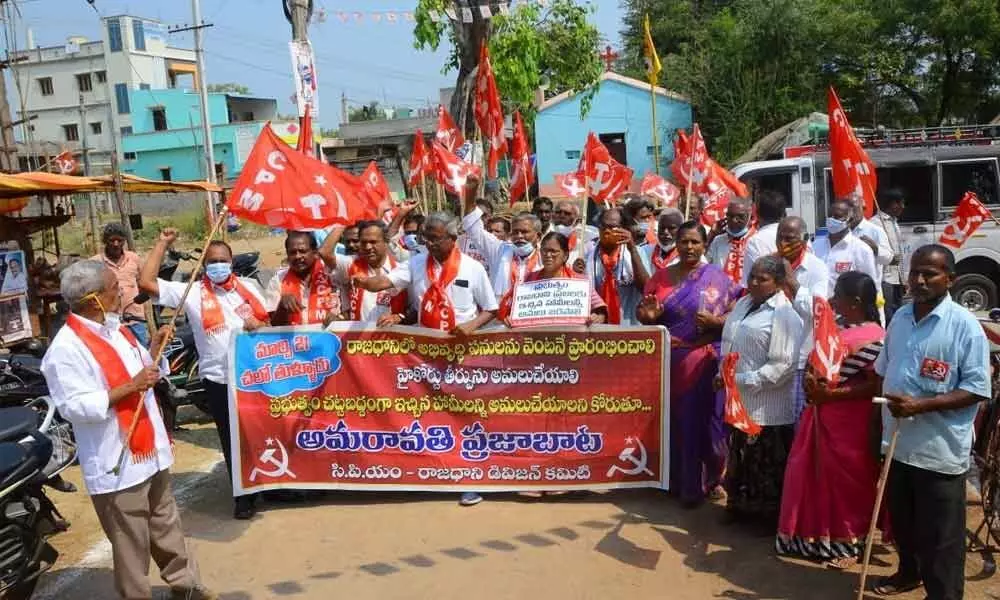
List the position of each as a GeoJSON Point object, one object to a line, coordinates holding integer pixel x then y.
{"type": "Point", "coordinates": [412, 409]}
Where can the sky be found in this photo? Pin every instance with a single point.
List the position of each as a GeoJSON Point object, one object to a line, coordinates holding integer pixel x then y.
{"type": "Point", "coordinates": [248, 44]}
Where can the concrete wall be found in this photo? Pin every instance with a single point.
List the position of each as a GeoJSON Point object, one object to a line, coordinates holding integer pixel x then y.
{"type": "Point", "coordinates": [182, 109]}
{"type": "Point", "coordinates": [181, 150]}
{"type": "Point", "coordinates": [617, 108]}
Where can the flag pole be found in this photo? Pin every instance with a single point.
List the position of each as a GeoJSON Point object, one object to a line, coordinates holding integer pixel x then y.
{"type": "Point", "coordinates": [423, 194]}
{"type": "Point", "coordinates": [527, 188]}
{"type": "Point", "coordinates": [440, 194]}
{"type": "Point", "coordinates": [879, 494]}
{"type": "Point", "coordinates": [170, 328]}
{"type": "Point", "coordinates": [690, 180]}
{"type": "Point", "coordinates": [656, 147]}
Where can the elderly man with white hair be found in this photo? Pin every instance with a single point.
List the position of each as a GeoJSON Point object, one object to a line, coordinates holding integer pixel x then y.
{"type": "Point", "coordinates": [99, 376]}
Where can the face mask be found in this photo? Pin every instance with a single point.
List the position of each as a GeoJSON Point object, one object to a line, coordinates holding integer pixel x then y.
{"type": "Point", "coordinates": [642, 228]}
{"type": "Point", "coordinates": [835, 226]}
{"type": "Point", "coordinates": [523, 249]}
{"type": "Point", "coordinates": [666, 247]}
{"type": "Point", "coordinates": [112, 321]}
{"type": "Point", "coordinates": [741, 232]}
{"type": "Point", "coordinates": [790, 250]}
{"type": "Point", "coordinates": [218, 272]}
{"type": "Point", "coordinates": [566, 230]}
{"type": "Point", "coordinates": [410, 242]}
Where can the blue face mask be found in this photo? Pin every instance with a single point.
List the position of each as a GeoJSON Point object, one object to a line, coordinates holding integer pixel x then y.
{"type": "Point", "coordinates": [835, 226]}
{"type": "Point", "coordinates": [523, 249]}
{"type": "Point", "coordinates": [642, 227]}
{"type": "Point", "coordinates": [410, 242]}
{"type": "Point", "coordinates": [218, 272]}
{"type": "Point", "coordinates": [741, 232]}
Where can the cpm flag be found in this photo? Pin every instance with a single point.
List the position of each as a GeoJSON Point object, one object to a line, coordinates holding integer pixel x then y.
{"type": "Point", "coordinates": [524, 169]}
{"type": "Point", "coordinates": [452, 171]}
{"type": "Point", "coordinates": [829, 350]}
{"type": "Point", "coordinates": [736, 411]}
{"type": "Point", "coordinates": [969, 215]}
{"type": "Point", "coordinates": [447, 132]}
{"type": "Point", "coordinates": [653, 66]}
{"type": "Point", "coordinates": [281, 187]}
{"type": "Point", "coordinates": [377, 190]}
{"type": "Point", "coordinates": [606, 178]}
{"type": "Point", "coordinates": [65, 162]}
{"type": "Point", "coordinates": [665, 192]}
{"type": "Point", "coordinates": [571, 183]}
{"type": "Point", "coordinates": [853, 172]}
{"type": "Point", "coordinates": [421, 161]}
{"type": "Point", "coordinates": [488, 112]}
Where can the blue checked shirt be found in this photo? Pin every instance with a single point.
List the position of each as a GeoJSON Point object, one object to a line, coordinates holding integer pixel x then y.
{"type": "Point", "coordinates": [946, 351]}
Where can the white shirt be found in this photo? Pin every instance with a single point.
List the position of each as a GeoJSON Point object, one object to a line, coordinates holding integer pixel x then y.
{"type": "Point", "coordinates": [374, 305]}
{"type": "Point", "coordinates": [470, 291]}
{"type": "Point", "coordinates": [14, 284]}
{"type": "Point", "coordinates": [272, 298]}
{"type": "Point", "coordinates": [499, 255]}
{"type": "Point", "coordinates": [718, 250]}
{"type": "Point", "coordinates": [813, 279]}
{"type": "Point", "coordinates": [885, 253]}
{"type": "Point", "coordinates": [850, 254]}
{"type": "Point", "coordinates": [213, 350]}
{"type": "Point", "coordinates": [80, 393]}
{"type": "Point", "coordinates": [891, 274]}
{"type": "Point", "coordinates": [472, 248]}
{"type": "Point", "coordinates": [768, 342]}
{"type": "Point", "coordinates": [762, 243]}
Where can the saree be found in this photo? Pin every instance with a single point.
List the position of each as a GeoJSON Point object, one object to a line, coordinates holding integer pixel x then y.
{"type": "Point", "coordinates": [697, 428]}
{"type": "Point", "coordinates": [830, 480]}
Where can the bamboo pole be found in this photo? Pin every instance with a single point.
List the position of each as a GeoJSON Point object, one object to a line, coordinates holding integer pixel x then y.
{"type": "Point", "coordinates": [423, 194]}
{"type": "Point", "coordinates": [656, 147]}
{"type": "Point", "coordinates": [159, 351]}
{"type": "Point", "coordinates": [879, 493]}
{"type": "Point", "coordinates": [690, 178]}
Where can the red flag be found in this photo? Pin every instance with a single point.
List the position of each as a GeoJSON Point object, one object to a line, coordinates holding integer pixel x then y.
{"type": "Point", "coordinates": [488, 112]}
{"type": "Point", "coordinates": [421, 161]}
{"type": "Point", "coordinates": [736, 412]}
{"type": "Point", "coordinates": [969, 215]}
{"type": "Point", "coordinates": [524, 171]}
{"type": "Point", "coordinates": [571, 183]}
{"type": "Point", "coordinates": [606, 178]}
{"type": "Point", "coordinates": [280, 187]}
{"type": "Point", "coordinates": [685, 167]}
{"type": "Point", "coordinates": [65, 163]}
{"type": "Point", "coordinates": [665, 192]}
{"type": "Point", "coordinates": [452, 171]}
{"type": "Point", "coordinates": [305, 142]}
{"type": "Point", "coordinates": [447, 133]}
{"type": "Point", "coordinates": [377, 190]}
{"type": "Point", "coordinates": [853, 172]}
{"type": "Point", "coordinates": [829, 351]}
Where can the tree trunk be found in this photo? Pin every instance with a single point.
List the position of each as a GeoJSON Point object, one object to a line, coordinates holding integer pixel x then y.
{"type": "Point", "coordinates": [468, 37]}
{"type": "Point", "coordinates": [952, 63]}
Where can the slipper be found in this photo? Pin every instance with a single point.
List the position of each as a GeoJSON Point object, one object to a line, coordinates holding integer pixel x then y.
{"type": "Point", "coordinates": [893, 585]}
{"type": "Point", "coordinates": [841, 564]}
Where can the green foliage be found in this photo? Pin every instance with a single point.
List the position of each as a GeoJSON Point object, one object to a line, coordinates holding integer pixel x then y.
{"type": "Point", "coordinates": [750, 66]}
{"type": "Point", "coordinates": [227, 88]}
{"type": "Point", "coordinates": [530, 46]}
{"type": "Point", "coordinates": [368, 112]}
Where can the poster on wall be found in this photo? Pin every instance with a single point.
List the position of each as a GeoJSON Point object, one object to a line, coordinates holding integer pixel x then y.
{"type": "Point", "coordinates": [13, 276]}
{"type": "Point", "coordinates": [304, 72]}
{"type": "Point", "coordinates": [14, 321]}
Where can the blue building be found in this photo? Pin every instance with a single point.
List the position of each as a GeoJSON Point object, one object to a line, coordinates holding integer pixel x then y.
{"type": "Point", "coordinates": [166, 142]}
{"type": "Point", "coordinates": [620, 114]}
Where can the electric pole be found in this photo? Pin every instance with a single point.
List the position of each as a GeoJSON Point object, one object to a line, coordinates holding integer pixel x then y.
{"type": "Point", "coordinates": [298, 13]}
{"type": "Point", "coordinates": [85, 151]}
{"type": "Point", "coordinates": [206, 125]}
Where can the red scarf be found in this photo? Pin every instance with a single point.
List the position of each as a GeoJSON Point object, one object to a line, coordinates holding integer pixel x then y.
{"type": "Point", "coordinates": [531, 263]}
{"type": "Point", "coordinates": [572, 241]}
{"type": "Point", "coordinates": [798, 261]}
{"type": "Point", "coordinates": [212, 319]}
{"type": "Point", "coordinates": [361, 268]}
{"type": "Point", "coordinates": [734, 260]}
{"type": "Point", "coordinates": [662, 260]}
{"type": "Point", "coordinates": [142, 446]}
{"type": "Point", "coordinates": [609, 289]}
{"type": "Point", "coordinates": [323, 299]}
{"type": "Point", "coordinates": [507, 302]}
{"type": "Point", "coordinates": [436, 308]}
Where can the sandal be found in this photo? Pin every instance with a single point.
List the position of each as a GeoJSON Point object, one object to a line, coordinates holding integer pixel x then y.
{"type": "Point", "coordinates": [895, 584]}
{"type": "Point", "coordinates": [841, 564]}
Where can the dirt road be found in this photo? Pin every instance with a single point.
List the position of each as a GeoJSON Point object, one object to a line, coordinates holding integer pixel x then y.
{"type": "Point", "coordinates": [628, 544]}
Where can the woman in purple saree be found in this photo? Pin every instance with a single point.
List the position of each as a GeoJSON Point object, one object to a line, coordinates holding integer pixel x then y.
{"type": "Point", "coordinates": [691, 300]}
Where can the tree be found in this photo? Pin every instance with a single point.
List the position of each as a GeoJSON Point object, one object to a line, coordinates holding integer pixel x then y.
{"type": "Point", "coordinates": [368, 112]}
{"type": "Point", "coordinates": [531, 46]}
{"type": "Point", "coordinates": [227, 88]}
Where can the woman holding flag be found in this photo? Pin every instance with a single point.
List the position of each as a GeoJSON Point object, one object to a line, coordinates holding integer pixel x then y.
{"type": "Point", "coordinates": [829, 487]}
{"type": "Point", "coordinates": [690, 298]}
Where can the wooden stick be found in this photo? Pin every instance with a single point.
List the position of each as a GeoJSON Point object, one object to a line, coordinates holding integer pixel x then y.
{"type": "Point", "coordinates": [879, 493]}
{"type": "Point", "coordinates": [173, 321]}
{"type": "Point", "coordinates": [423, 195]}
{"type": "Point", "coordinates": [690, 174]}
{"type": "Point", "coordinates": [440, 196]}
{"type": "Point", "coordinates": [656, 148]}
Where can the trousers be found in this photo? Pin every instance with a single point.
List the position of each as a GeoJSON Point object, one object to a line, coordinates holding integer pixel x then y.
{"type": "Point", "coordinates": [142, 522]}
{"type": "Point", "coordinates": [927, 513]}
{"type": "Point", "coordinates": [218, 404]}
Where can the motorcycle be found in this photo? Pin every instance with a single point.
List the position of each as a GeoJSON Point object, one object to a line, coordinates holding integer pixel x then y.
{"type": "Point", "coordinates": [34, 450]}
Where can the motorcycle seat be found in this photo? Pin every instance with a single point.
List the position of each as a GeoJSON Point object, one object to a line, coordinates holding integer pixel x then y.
{"type": "Point", "coordinates": [19, 462]}
{"type": "Point", "coordinates": [16, 422]}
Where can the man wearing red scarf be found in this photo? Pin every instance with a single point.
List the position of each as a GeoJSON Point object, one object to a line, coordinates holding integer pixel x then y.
{"type": "Point", "coordinates": [219, 306]}
{"type": "Point", "coordinates": [99, 378]}
{"type": "Point", "coordinates": [728, 249]}
{"type": "Point", "coordinates": [616, 269]}
{"type": "Point", "coordinates": [303, 293]}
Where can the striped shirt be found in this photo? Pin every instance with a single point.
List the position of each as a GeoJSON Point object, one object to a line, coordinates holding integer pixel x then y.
{"type": "Point", "coordinates": [767, 340]}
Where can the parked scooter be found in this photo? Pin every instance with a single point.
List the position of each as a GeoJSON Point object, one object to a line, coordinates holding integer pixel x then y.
{"type": "Point", "coordinates": [34, 450]}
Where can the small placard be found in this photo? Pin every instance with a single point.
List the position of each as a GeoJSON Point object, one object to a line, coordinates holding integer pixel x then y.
{"type": "Point", "coordinates": [551, 302]}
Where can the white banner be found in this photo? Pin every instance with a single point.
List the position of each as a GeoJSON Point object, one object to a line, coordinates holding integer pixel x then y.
{"type": "Point", "coordinates": [304, 72]}
{"type": "Point", "coordinates": [551, 302]}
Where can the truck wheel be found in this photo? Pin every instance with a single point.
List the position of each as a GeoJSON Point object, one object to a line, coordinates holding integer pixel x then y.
{"type": "Point", "coordinates": [975, 292]}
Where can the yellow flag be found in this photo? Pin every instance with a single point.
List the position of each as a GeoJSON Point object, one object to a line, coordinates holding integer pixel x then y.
{"type": "Point", "coordinates": [653, 66]}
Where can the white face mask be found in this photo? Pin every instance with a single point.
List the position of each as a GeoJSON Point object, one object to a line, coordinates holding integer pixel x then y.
{"type": "Point", "coordinates": [835, 226]}
{"type": "Point", "coordinates": [566, 230]}
{"type": "Point", "coordinates": [666, 247]}
{"type": "Point", "coordinates": [112, 321]}
{"type": "Point", "coordinates": [523, 249]}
